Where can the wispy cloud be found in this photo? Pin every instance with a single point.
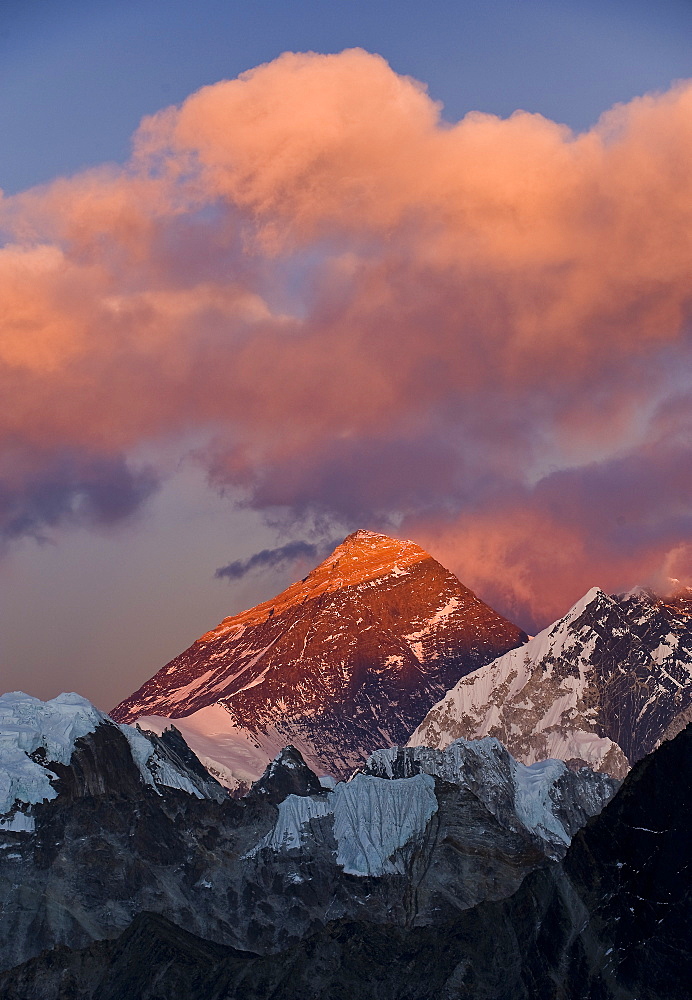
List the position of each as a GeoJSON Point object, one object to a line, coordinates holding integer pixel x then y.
{"type": "Point", "coordinates": [268, 559]}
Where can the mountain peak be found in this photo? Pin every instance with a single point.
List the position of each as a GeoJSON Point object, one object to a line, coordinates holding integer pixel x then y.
{"type": "Point", "coordinates": [602, 684]}
{"type": "Point", "coordinates": [362, 556]}
{"type": "Point", "coordinates": [349, 657]}
{"type": "Point", "coordinates": [365, 539]}
{"type": "Point", "coordinates": [365, 555]}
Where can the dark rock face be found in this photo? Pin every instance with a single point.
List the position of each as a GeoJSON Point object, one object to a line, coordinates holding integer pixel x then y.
{"type": "Point", "coordinates": [265, 872]}
{"type": "Point", "coordinates": [110, 845]}
{"type": "Point", "coordinates": [605, 684]}
{"type": "Point", "coordinates": [644, 674]}
{"type": "Point", "coordinates": [345, 661]}
{"type": "Point", "coordinates": [610, 922]}
{"type": "Point", "coordinates": [631, 871]}
{"type": "Point", "coordinates": [287, 775]}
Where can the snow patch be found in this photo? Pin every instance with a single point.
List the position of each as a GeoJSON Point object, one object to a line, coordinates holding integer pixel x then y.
{"type": "Point", "coordinates": [154, 770]}
{"type": "Point", "coordinates": [532, 801]}
{"type": "Point", "coordinates": [295, 812]}
{"type": "Point", "coordinates": [372, 819]}
{"type": "Point", "coordinates": [27, 725]}
{"type": "Point", "coordinates": [20, 822]}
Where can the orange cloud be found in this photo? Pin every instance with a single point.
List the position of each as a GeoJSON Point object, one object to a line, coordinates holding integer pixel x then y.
{"type": "Point", "coordinates": [373, 312]}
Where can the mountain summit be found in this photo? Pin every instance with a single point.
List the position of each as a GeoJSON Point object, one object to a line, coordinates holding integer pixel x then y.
{"type": "Point", "coordinates": [343, 662]}
{"type": "Point", "coordinates": [603, 685]}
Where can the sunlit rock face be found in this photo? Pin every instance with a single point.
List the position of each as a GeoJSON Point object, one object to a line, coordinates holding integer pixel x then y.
{"type": "Point", "coordinates": [603, 686]}
{"type": "Point", "coordinates": [343, 662]}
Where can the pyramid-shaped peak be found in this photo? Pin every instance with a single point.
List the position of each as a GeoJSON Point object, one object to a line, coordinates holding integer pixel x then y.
{"type": "Point", "coordinates": [364, 555]}
{"type": "Point", "coordinates": [369, 541]}
{"type": "Point", "coordinates": [342, 661]}
{"type": "Point", "coordinates": [287, 774]}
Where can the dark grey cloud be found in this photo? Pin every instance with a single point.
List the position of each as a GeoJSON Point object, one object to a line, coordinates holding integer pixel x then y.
{"type": "Point", "coordinates": [268, 559]}
{"type": "Point", "coordinates": [70, 489]}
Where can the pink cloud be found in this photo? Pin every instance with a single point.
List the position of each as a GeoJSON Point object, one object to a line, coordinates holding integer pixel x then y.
{"type": "Point", "coordinates": [379, 315]}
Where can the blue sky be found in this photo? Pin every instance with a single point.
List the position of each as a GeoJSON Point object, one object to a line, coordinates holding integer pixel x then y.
{"type": "Point", "coordinates": [76, 77]}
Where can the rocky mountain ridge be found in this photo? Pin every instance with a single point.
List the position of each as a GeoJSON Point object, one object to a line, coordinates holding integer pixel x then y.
{"type": "Point", "coordinates": [603, 685]}
{"type": "Point", "coordinates": [262, 872]}
{"type": "Point", "coordinates": [608, 922]}
{"type": "Point", "coordinates": [37, 747]}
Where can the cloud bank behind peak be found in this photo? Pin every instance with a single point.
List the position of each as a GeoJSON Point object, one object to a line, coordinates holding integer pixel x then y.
{"type": "Point", "coordinates": [477, 331]}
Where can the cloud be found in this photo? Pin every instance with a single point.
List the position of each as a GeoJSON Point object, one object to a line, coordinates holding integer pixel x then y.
{"type": "Point", "coordinates": [268, 559]}
{"type": "Point", "coordinates": [533, 551]}
{"type": "Point", "coordinates": [69, 489]}
{"type": "Point", "coordinates": [478, 332]}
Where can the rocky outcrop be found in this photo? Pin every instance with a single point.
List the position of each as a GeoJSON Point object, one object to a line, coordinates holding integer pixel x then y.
{"type": "Point", "coordinates": [343, 662]}
{"type": "Point", "coordinates": [547, 800]}
{"type": "Point", "coordinates": [603, 685]}
{"type": "Point", "coordinates": [287, 775]}
{"type": "Point", "coordinates": [609, 922]}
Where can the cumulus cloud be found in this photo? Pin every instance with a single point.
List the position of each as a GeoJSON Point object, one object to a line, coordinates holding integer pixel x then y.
{"type": "Point", "coordinates": [477, 332]}
{"type": "Point", "coordinates": [268, 559]}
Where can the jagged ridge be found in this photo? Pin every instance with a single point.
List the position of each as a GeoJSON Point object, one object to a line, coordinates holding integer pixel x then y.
{"type": "Point", "coordinates": [603, 685]}
{"type": "Point", "coordinates": [607, 923]}
{"type": "Point", "coordinates": [467, 825]}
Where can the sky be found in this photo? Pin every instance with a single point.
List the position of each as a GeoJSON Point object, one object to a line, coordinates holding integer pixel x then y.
{"type": "Point", "coordinates": [274, 271]}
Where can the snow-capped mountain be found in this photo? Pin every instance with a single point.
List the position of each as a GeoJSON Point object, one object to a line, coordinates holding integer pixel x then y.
{"type": "Point", "coordinates": [347, 660]}
{"type": "Point", "coordinates": [116, 823]}
{"type": "Point", "coordinates": [380, 816]}
{"type": "Point", "coordinates": [603, 685]}
{"type": "Point", "coordinates": [38, 741]}
{"type": "Point", "coordinates": [610, 921]}
{"type": "Point", "coordinates": [547, 800]}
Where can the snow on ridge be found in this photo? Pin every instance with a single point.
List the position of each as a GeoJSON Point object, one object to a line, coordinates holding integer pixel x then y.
{"type": "Point", "coordinates": [295, 812]}
{"type": "Point", "coordinates": [545, 798]}
{"type": "Point", "coordinates": [474, 697]}
{"type": "Point", "coordinates": [237, 759]}
{"type": "Point", "coordinates": [237, 756]}
{"type": "Point", "coordinates": [153, 770]}
{"type": "Point", "coordinates": [372, 818]}
{"type": "Point", "coordinates": [27, 724]}
{"type": "Point", "coordinates": [387, 807]}
{"type": "Point", "coordinates": [486, 767]}
{"type": "Point", "coordinates": [543, 698]}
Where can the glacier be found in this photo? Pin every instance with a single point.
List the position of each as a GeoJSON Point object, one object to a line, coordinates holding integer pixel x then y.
{"type": "Point", "coordinates": [28, 725]}
{"type": "Point", "coordinates": [372, 818]}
